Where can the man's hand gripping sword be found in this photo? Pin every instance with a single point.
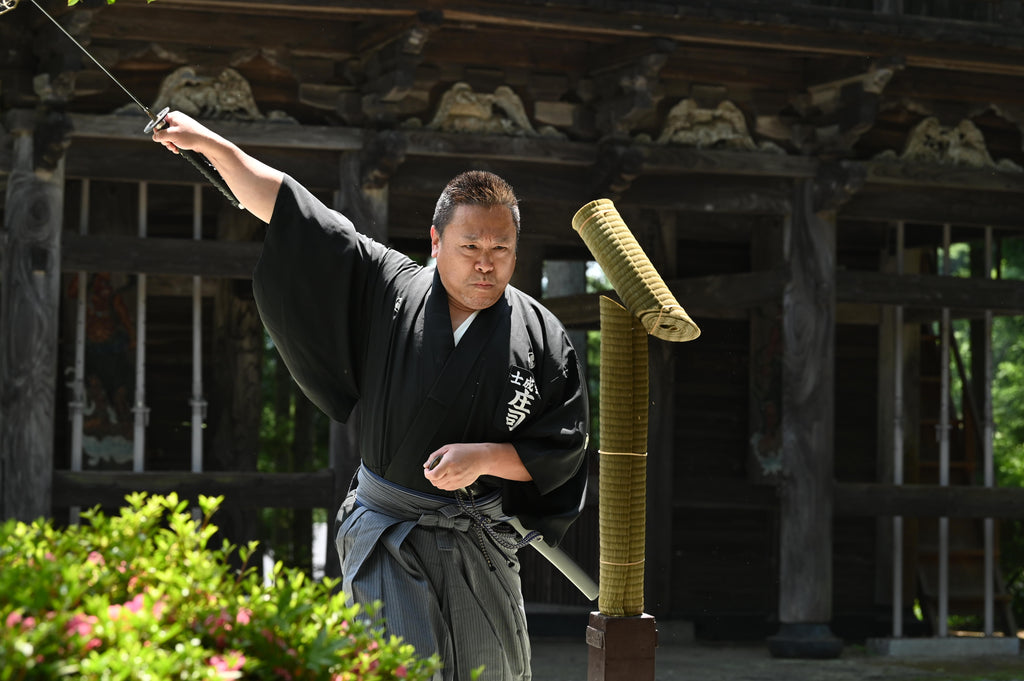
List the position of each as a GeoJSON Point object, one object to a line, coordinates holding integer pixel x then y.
{"type": "Point", "coordinates": [561, 560]}
{"type": "Point", "coordinates": [156, 121]}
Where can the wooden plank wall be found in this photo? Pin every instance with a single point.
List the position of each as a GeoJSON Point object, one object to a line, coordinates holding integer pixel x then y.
{"type": "Point", "coordinates": [725, 566]}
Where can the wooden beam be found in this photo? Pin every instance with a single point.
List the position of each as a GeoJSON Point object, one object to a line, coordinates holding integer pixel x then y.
{"type": "Point", "coordinates": [174, 26]}
{"type": "Point", "coordinates": [669, 159]}
{"type": "Point", "coordinates": [207, 258]}
{"type": "Point", "coordinates": [981, 47]}
{"type": "Point", "coordinates": [885, 196]}
{"type": "Point", "coordinates": [861, 499]}
{"type": "Point", "coordinates": [926, 205]}
{"type": "Point", "coordinates": [245, 134]}
{"type": "Point", "coordinates": [928, 501]}
{"type": "Point", "coordinates": [713, 296]}
{"type": "Point", "coordinates": [931, 291]}
{"type": "Point", "coordinates": [135, 158]}
{"type": "Point", "coordinates": [242, 490]}
{"type": "Point", "coordinates": [942, 177]}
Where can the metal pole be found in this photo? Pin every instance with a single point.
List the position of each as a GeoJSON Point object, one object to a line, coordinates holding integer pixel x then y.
{"type": "Point", "coordinates": [897, 447]}
{"type": "Point", "coordinates": [140, 409]}
{"type": "Point", "coordinates": [987, 453]}
{"type": "Point", "coordinates": [197, 401]}
{"type": "Point", "coordinates": [77, 405]}
{"type": "Point", "coordinates": [943, 629]}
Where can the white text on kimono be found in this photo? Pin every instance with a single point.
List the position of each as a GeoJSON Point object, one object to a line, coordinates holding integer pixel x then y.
{"type": "Point", "coordinates": [518, 408]}
{"type": "Point", "coordinates": [525, 393]}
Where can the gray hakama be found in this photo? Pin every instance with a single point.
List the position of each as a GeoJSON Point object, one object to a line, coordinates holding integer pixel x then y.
{"type": "Point", "coordinates": [445, 587]}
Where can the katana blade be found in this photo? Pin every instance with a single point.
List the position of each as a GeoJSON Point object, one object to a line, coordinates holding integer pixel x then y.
{"type": "Point", "coordinates": [156, 122]}
{"type": "Point", "coordinates": [95, 61]}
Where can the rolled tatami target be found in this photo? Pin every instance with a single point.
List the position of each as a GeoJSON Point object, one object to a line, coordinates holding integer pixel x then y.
{"type": "Point", "coordinates": [631, 273]}
{"type": "Point", "coordinates": [622, 508]}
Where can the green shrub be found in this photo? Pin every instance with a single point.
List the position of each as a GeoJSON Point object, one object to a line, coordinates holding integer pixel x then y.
{"type": "Point", "coordinates": [140, 596]}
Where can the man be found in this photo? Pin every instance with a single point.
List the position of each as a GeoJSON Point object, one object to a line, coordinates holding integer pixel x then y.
{"type": "Point", "coordinates": [472, 401]}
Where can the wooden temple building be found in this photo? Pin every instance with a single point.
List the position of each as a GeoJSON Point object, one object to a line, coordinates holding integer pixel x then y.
{"type": "Point", "coordinates": [798, 172]}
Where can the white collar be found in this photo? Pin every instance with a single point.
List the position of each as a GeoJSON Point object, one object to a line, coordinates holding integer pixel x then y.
{"type": "Point", "coordinates": [464, 326]}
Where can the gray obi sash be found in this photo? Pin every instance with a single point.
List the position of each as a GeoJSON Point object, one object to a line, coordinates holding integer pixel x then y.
{"type": "Point", "coordinates": [428, 510]}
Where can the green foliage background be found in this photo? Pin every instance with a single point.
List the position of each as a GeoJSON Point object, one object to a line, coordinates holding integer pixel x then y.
{"type": "Point", "coordinates": [1007, 398]}
{"type": "Point", "coordinates": [1008, 414]}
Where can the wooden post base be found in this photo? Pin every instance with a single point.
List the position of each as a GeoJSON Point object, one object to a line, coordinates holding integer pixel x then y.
{"type": "Point", "coordinates": [621, 648]}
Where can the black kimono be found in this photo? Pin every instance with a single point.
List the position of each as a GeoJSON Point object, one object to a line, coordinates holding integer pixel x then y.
{"type": "Point", "coordinates": [357, 322]}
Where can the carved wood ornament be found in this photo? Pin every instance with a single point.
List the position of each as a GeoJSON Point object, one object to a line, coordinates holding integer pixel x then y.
{"type": "Point", "coordinates": [224, 95]}
{"type": "Point", "coordinates": [464, 110]}
{"type": "Point", "coordinates": [962, 145]}
{"type": "Point", "coordinates": [723, 127]}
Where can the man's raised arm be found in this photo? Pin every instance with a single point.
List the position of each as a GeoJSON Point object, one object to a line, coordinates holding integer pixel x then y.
{"type": "Point", "coordinates": [254, 183]}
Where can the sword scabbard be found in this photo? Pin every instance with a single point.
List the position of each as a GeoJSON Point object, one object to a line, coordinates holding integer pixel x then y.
{"type": "Point", "coordinates": [562, 562]}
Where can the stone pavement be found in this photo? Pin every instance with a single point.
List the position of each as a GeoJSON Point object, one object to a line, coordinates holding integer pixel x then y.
{"type": "Point", "coordinates": [565, 659]}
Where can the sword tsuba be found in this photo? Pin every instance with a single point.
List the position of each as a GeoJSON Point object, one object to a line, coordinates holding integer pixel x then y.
{"type": "Point", "coordinates": [157, 123]}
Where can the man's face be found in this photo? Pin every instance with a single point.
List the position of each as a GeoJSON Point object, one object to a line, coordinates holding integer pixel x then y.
{"type": "Point", "coordinates": [476, 256]}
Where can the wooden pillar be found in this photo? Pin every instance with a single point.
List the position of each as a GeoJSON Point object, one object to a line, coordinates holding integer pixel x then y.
{"type": "Point", "coordinates": [764, 461]}
{"type": "Point", "coordinates": [29, 307]}
{"type": "Point", "coordinates": [237, 357]}
{"type": "Point", "coordinates": [566, 278]}
{"type": "Point", "coordinates": [362, 197]}
{"type": "Point", "coordinates": [808, 398]}
{"type": "Point", "coordinates": [661, 442]}
{"type": "Point", "coordinates": [529, 274]}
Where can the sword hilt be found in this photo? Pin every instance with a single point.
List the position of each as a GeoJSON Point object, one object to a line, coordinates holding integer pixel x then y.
{"type": "Point", "coordinates": [7, 5]}
{"type": "Point", "coordinates": [200, 162]}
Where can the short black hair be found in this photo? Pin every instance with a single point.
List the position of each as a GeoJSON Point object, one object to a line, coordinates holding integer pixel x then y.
{"type": "Point", "coordinates": [475, 188]}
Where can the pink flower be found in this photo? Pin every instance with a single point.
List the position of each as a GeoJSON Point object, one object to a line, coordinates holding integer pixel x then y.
{"type": "Point", "coordinates": [114, 611]}
{"type": "Point", "coordinates": [221, 621]}
{"type": "Point", "coordinates": [81, 625]}
{"type": "Point", "coordinates": [158, 609]}
{"type": "Point", "coordinates": [401, 672]}
{"type": "Point", "coordinates": [135, 604]}
{"type": "Point", "coordinates": [93, 644]}
{"type": "Point", "coordinates": [96, 558]}
{"type": "Point", "coordinates": [244, 616]}
{"type": "Point", "coordinates": [229, 662]}
{"type": "Point", "coordinates": [16, 619]}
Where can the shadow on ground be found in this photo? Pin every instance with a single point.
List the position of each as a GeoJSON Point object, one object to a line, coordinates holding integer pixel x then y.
{"type": "Point", "coordinates": [566, 659]}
